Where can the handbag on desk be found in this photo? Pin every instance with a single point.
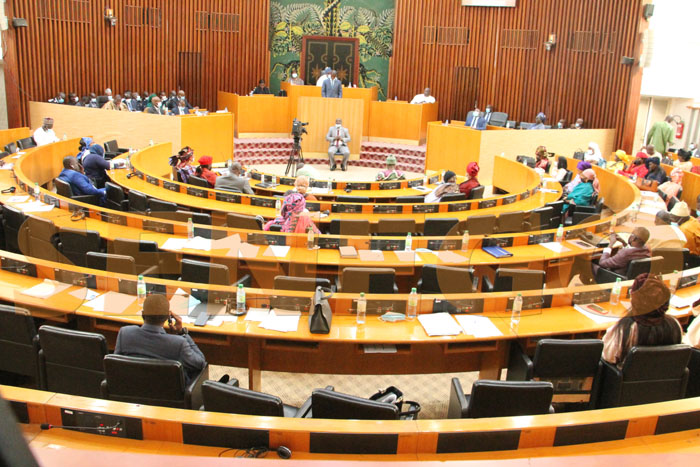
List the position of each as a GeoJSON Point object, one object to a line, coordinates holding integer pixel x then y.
{"type": "Point", "coordinates": [321, 315]}
{"type": "Point", "coordinates": [647, 185]}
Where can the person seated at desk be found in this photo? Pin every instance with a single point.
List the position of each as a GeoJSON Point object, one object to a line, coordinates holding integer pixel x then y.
{"type": "Point", "coordinates": [665, 232]}
{"type": "Point", "coordinates": [83, 148]}
{"type": "Point", "coordinates": [472, 182]}
{"type": "Point", "coordinates": [539, 122]}
{"type": "Point", "coordinates": [332, 87]}
{"type": "Point", "coordinates": [204, 170]}
{"type": "Point", "coordinates": [475, 120]}
{"type": "Point", "coordinates": [593, 155]}
{"type": "Point", "coordinates": [233, 180]}
{"type": "Point", "coordinates": [308, 171]}
{"type": "Point", "coordinates": [541, 161]}
{"type": "Point", "coordinates": [655, 171]}
{"type": "Point", "coordinates": [619, 164]}
{"type": "Point", "coordinates": [182, 163]}
{"type": "Point", "coordinates": [151, 341]}
{"type": "Point", "coordinates": [617, 259]}
{"type": "Point", "coordinates": [672, 188]}
{"type": "Point", "coordinates": [645, 323]}
{"type": "Point", "coordinates": [60, 98]}
{"type": "Point", "coordinates": [424, 98]}
{"type": "Point", "coordinates": [683, 161]}
{"type": "Point", "coordinates": [293, 218]}
{"type": "Point", "coordinates": [44, 134]}
{"type": "Point", "coordinates": [691, 230]}
{"type": "Point", "coordinates": [638, 167]}
{"type": "Point", "coordinates": [582, 194]}
{"type": "Point", "coordinates": [261, 88]}
{"type": "Point", "coordinates": [561, 124]}
{"type": "Point", "coordinates": [390, 173]}
{"type": "Point", "coordinates": [449, 185]}
{"type": "Point", "coordinates": [72, 174]}
{"type": "Point", "coordinates": [580, 167]}
{"type": "Point", "coordinates": [116, 104]}
{"type": "Point", "coordinates": [559, 171]}
{"type": "Point", "coordinates": [96, 166]}
{"type": "Point", "coordinates": [155, 107]}
{"type": "Point", "coordinates": [181, 99]}
{"type": "Point", "coordinates": [301, 185]}
{"type": "Point", "coordinates": [295, 80]}
{"type": "Point", "coordinates": [180, 109]}
{"type": "Point", "coordinates": [339, 137]}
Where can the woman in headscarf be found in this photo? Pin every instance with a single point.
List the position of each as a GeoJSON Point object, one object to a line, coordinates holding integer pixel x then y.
{"type": "Point", "coordinates": [292, 217]}
{"type": "Point", "coordinates": [620, 162]}
{"type": "Point", "coordinates": [638, 166]}
{"type": "Point", "coordinates": [541, 161]}
{"type": "Point", "coordinates": [671, 188]}
{"type": "Point", "coordinates": [204, 170]}
{"type": "Point", "coordinates": [149, 99]}
{"type": "Point", "coordinates": [645, 323]}
{"type": "Point", "coordinates": [390, 173]}
{"type": "Point", "coordinates": [593, 155]}
{"type": "Point", "coordinates": [182, 163]}
{"type": "Point", "coordinates": [559, 171]}
{"type": "Point", "coordinates": [472, 182]}
{"type": "Point", "coordinates": [96, 166]}
{"type": "Point", "coordinates": [582, 194]}
{"type": "Point", "coordinates": [83, 148]}
{"type": "Point", "coordinates": [581, 166]}
{"type": "Point", "coordinates": [449, 185]}
{"type": "Point", "coordinates": [683, 161]}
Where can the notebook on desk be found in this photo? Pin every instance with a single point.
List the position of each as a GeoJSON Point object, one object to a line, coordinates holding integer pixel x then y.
{"type": "Point", "coordinates": [497, 252]}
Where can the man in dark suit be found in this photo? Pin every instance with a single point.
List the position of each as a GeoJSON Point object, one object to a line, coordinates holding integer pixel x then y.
{"type": "Point", "coordinates": [233, 180]}
{"type": "Point", "coordinates": [617, 260]}
{"type": "Point", "coordinates": [150, 339]}
{"type": "Point", "coordinates": [79, 183]}
{"type": "Point", "coordinates": [155, 107]}
{"type": "Point", "coordinates": [476, 120]}
{"type": "Point", "coordinates": [332, 87]}
{"type": "Point", "coordinates": [261, 88]}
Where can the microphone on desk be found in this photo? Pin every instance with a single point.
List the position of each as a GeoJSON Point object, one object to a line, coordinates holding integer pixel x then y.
{"type": "Point", "coordinates": [114, 429]}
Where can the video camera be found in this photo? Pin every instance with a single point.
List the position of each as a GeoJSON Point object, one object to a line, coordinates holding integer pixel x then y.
{"type": "Point", "coordinates": [298, 128]}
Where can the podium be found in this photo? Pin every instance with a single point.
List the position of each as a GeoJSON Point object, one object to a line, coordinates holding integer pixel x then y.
{"type": "Point", "coordinates": [400, 122]}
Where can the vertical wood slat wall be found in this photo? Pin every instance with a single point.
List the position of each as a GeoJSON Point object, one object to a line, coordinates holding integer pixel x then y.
{"type": "Point", "coordinates": [523, 81]}
{"type": "Point", "coordinates": [82, 57]}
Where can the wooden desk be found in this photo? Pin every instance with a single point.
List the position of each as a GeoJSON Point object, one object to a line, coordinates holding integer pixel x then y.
{"type": "Point", "coordinates": [258, 116]}
{"type": "Point", "coordinates": [321, 114]}
{"type": "Point", "coordinates": [401, 122]}
{"type": "Point", "coordinates": [13, 134]}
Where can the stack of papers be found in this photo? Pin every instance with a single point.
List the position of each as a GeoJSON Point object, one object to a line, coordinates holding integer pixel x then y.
{"type": "Point", "coordinates": [46, 289]}
{"type": "Point", "coordinates": [111, 302]}
{"type": "Point", "coordinates": [439, 324]}
{"type": "Point", "coordinates": [34, 206]}
{"type": "Point", "coordinates": [555, 247]}
{"type": "Point", "coordinates": [348, 252]}
{"type": "Point", "coordinates": [478, 326]}
{"type": "Point", "coordinates": [257, 314]}
{"type": "Point", "coordinates": [18, 199]}
{"type": "Point", "coordinates": [281, 320]}
{"type": "Point", "coordinates": [594, 316]}
{"type": "Point", "coordinates": [371, 255]}
{"type": "Point", "coordinates": [278, 251]}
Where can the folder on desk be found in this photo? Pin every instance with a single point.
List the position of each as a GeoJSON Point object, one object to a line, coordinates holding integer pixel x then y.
{"type": "Point", "coordinates": [348, 252]}
{"type": "Point", "coordinates": [497, 252]}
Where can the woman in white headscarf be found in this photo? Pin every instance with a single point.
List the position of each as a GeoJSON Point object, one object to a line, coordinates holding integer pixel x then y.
{"type": "Point", "coordinates": [593, 155]}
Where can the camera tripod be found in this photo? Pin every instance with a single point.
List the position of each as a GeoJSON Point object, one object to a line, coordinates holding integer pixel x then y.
{"type": "Point", "coordinates": [295, 156]}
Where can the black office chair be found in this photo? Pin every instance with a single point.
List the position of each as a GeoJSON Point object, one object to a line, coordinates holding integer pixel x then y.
{"type": "Point", "coordinates": [64, 189]}
{"type": "Point", "coordinates": [198, 181]}
{"type": "Point", "coordinates": [498, 119]}
{"type": "Point", "coordinates": [453, 197]}
{"type": "Point", "coordinates": [572, 366]}
{"type": "Point", "coordinates": [525, 125]}
{"type": "Point", "coordinates": [15, 234]}
{"type": "Point", "coordinates": [671, 203]}
{"type": "Point", "coordinates": [201, 272]}
{"type": "Point", "coordinates": [41, 235]}
{"type": "Point", "coordinates": [567, 178]}
{"type": "Point", "coordinates": [72, 362]}
{"type": "Point", "coordinates": [11, 148]}
{"type": "Point", "coordinates": [101, 101]}
{"type": "Point", "coordinates": [526, 160]}
{"type": "Point", "coordinates": [75, 244]}
{"type": "Point", "coordinates": [349, 227]}
{"type": "Point", "coordinates": [307, 284]}
{"type": "Point", "coordinates": [477, 192]}
{"type": "Point", "coordinates": [162, 209]}
{"type": "Point", "coordinates": [636, 267]}
{"type": "Point", "coordinates": [693, 389]}
{"type": "Point", "coordinates": [500, 399]}
{"type": "Point", "coordinates": [243, 221]}
{"type": "Point", "coordinates": [111, 263]}
{"type": "Point", "coordinates": [511, 124]}
{"type": "Point", "coordinates": [540, 219]}
{"type": "Point", "coordinates": [395, 227]}
{"type": "Point", "coordinates": [510, 222]}
{"type": "Point", "coordinates": [675, 259]}
{"type": "Point", "coordinates": [507, 280]}
{"type": "Point", "coordinates": [445, 280]}
{"type": "Point", "coordinates": [410, 199]}
{"type": "Point", "coordinates": [440, 228]}
{"type": "Point", "coordinates": [148, 259]}
{"type": "Point", "coordinates": [648, 374]}
{"type": "Point", "coordinates": [480, 225]}
{"type": "Point", "coordinates": [19, 344]}
{"type": "Point", "coordinates": [115, 198]}
{"type": "Point", "coordinates": [326, 403]}
{"type": "Point", "coordinates": [150, 381]}
{"type": "Point", "coordinates": [138, 202]}
{"type": "Point", "coordinates": [352, 199]}
{"type": "Point", "coordinates": [229, 398]}
{"type": "Point", "coordinates": [26, 143]}
{"type": "Point", "coordinates": [557, 207]}
{"type": "Point", "coordinates": [368, 280]}
{"type": "Point", "coordinates": [113, 150]}
{"type": "Point", "coordinates": [4, 154]}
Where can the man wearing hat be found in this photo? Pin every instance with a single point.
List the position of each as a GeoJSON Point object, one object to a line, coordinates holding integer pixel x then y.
{"type": "Point", "coordinates": [339, 137]}
{"type": "Point", "coordinates": [655, 170]}
{"type": "Point", "coordinates": [45, 134]}
{"type": "Point", "coordinates": [204, 170]}
{"type": "Point", "coordinates": [617, 259]}
{"type": "Point", "coordinates": [665, 233]}
{"type": "Point", "coordinates": [325, 74]}
{"type": "Point", "coordinates": [390, 173]}
{"type": "Point", "coordinates": [539, 122]}
{"type": "Point", "coordinates": [150, 339]}
{"type": "Point", "coordinates": [472, 182]}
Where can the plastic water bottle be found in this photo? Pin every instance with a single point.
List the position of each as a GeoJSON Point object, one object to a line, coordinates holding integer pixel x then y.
{"type": "Point", "coordinates": [361, 308]}
{"type": "Point", "coordinates": [150, 142]}
{"type": "Point", "coordinates": [329, 186]}
{"type": "Point", "coordinates": [190, 229]}
{"type": "Point", "coordinates": [274, 179]}
{"type": "Point", "coordinates": [278, 206]}
{"type": "Point", "coordinates": [141, 290]}
{"type": "Point", "coordinates": [37, 191]}
{"type": "Point", "coordinates": [240, 300]}
{"type": "Point", "coordinates": [465, 240]}
{"type": "Point", "coordinates": [409, 242]}
{"type": "Point", "coordinates": [517, 309]}
{"type": "Point", "coordinates": [560, 234]}
{"type": "Point", "coordinates": [310, 239]}
{"type": "Point", "coordinates": [615, 294]}
{"type": "Point", "coordinates": [412, 310]}
{"type": "Point", "coordinates": [396, 98]}
{"type": "Point", "coordinates": [65, 137]}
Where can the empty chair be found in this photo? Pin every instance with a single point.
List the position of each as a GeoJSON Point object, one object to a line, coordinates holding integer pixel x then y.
{"type": "Point", "coordinates": [572, 366]}
{"type": "Point", "coordinates": [198, 181]}
{"type": "Point", "coordinates": [498, 119]}
{"type": "Point", "coordinates": [162, 209]}
{"type": "Point", "coordinates": [675, 259]}
{"type": "Point", "coordinates": [349, 227]}
{"type": "Point", "coordinates": [369, 280]}
{"type": "Point", "coordinates": [480, 225]}
{"type": "Point", "coordinates": [112, 149]}
{"type": "Point", "coordinates": [477, 193]}
{"type": "Point", "coordinates": [64, 189]}
{"type": "Point", "coordinates": [197, 217]}
{"type": "Point", "coordinates": [510, 222]}
{"type": "Point", "coordinates": [634, 268]}
{"type": "Point", "coordinates": [507, 280]}
{"type": "Point", "coordinates": [446, 279]}
{"type": "Point", "coordinates": [229, 398]}
{"type": "Point", "coordinates": [352, 199]}
{"type": "Point", "coordinates": [396, 227]}
{"type": "Point", "coordinates": [527, 160]}
{"type": "Point", "coordinates": [11, 148]}
{"type": "Point", "coordinates": [326, 403]}
{"type": "Point", "coordinates": [557, 207]}
{"type": "Point", "coordinates": [19, 343]}
{"type": "Point", "coordinates": [151, 381]}
{"type": "Point", "coordinates": [148, 259]}
{"type": "Point", "coordinates": [410, 199]}
{"type": "Point", "coordinates": [75, 244]}
{"type": "Point", "coordinates": [72, 362]}
{"type": "Point", "coordinates": [453, 197]}
{"type": "Point", "coordinates": [567, 178]}
{"type": "Point", "coordinates": [243, 221]}
{"type": "Point", "coordinates": [447, 227]}
{"type": "Point", "coordinates": [202, 272]}
{"type": "Point", "coordinates": [26, 143]}
{"type": "Point", "coordinates": [15, 234]}
{"type": "Point", "coordinates": [115, 198]}
{"type": "Point", "coordinates": [500, 399]}
{"type": "Point", "coordinates": [41, 238]}
{"type": "Point", "coordinates": [648, 374]}
{"type": "Point", "coordinates": [525, 125]}
{"type": "Point", "coordinates": [138, 202]}
{"type": "Point", "coordinates": [112, 263]}
{"type": "Point", "coordinates": [540, 218]}
{"type": "Point", "coordinates": [693, 389]}
{"type": "Point", "coordinates": [510, 123]}
{"type": "Point", "coordinates": [308, 284]}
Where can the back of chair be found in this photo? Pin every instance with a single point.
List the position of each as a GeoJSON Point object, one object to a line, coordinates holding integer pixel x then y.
{"type": "Point", "coordinates": [145, 381]}
{"type": "Point", "coordinates": [205, 273]}
{"type": "Point", "coordinates": [330, 404]}
{"type": "Point", "coordinates": [41, 238]}
{"type": "Point", "coordinates": [396, 227]}
{"type": "Point", "coordinates": [480, 225]}
{"type": "Point", "coordinates": [498, 119]}
{"type": "Point", "coordinates": [220, 397]}
{"type": "Point", "coordinates": [527, 160]}
{"type": "Point", "coordinates": [15, 234]}
{"type": "Point", "coordinates": [541, 218]}
{"type": "Point", "coordinates": [557, 207]}
{"type": "Point", "coordinates": [11, 148]}
{"type": "Point", "coordinates": [72, 362]}
{"type": "Point", "coordinates": [583, 217]}
{"type": "Point", "coordinates": [674, 258]}
{"type": "Point", "coordinates": [368, 280]}
{"type": "Point", "coordinates": [441, 227]}
{"type": "Point", "coordinates": [349, 227]}
{"type": "Point", "coordinates": [410, 199]}
{"type": "Point", "coordinates": [567, 177]}
{"type": "Point", "coordinates": [242, 221]}
{"type": "Point", "coordinates": [19, 343]}
{"type": "Point", "coordinates": [518, 279]}
{"type": "Point", "coordinates": [198, 181]}
{"type": "Point", "coordinates": [477, 193]}
{"type": "Point", "coordinates": [694, 377]}
{"type": "Point", "coordinates": [111, 146]}
{"type": "Point", "coordinates": [453, 197]}
{"type": "Point", "coordinates": [509, 398]}
{"type": "Point", "coordinates": [509, 222]}
{"type": "Point", "coordinates": [144, 252]}
{"type": "Point", "coordinates": [112, 263]}
{"type": "Point", "coordinates": [63, 188]}
{"type": "Point", "coordinates": [654, 374]}
{"type": "Point", "coordinates": [138, 202]}
{"type": "Point", "coordinates": [307, 284]}
{"type": "Point", "coordinates": [162, 209]}
{"type": "Point", "coordinates": [26, 143]}
{"type": "Point", "coordinates": [652, 265]}
{"type": "Point", "coordinates": [114, 197]}
{"type": "Point", "coordinates": [446, 279]}
{"type": "Point", "coordinates": [352, 199]}
{"type": "Point", "coordinates": [75, 244]}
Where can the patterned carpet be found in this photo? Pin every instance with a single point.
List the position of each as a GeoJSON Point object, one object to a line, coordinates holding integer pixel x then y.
{"type": "Point", "coordinates": [431, 391]}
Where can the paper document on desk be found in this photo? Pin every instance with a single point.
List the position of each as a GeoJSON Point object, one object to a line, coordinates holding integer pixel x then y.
{"type": "Point", "coordinates": [595, 317]}
{"type": "Point", "coordinates": [199, 243]}
{"type": "Point", "coordinates": [281, 320]}
{"type": "Point", "coordinates": [256, 314]}
{"type": "Point", "coordinates": [318, 191]}
{"type": "Point", "coordinates": [34, 206]}
{"type": "Point", "coordinates": [681, 302]}
{"type": "Point", "coordinates": [278, 251]}
{"type": "Point", "coordinates": [246, 250]}
{"type": "Point", "coordinates": [649, 210]}
{"type": "Point", "coordinates": [407, 256]}
{"type": "Point", "coordinates": [9, 166]}
{"type": "Point", "coordinates": [371, 255]}
{"type": "Point", "coordinates": [84, 294]}
{"type": "Point", "coordinates": [46, 289]}
{"type": "Point", "coordinates": [113, 303]}
{"type": "Point", "coordinates": [555, 247]}
{"type": "Point", "coordinates": [18, 199]}
{"type": "Point", "coordinates": [231, 243]}
{"type": "Point", "coordinates": [182, 305]}
{"type": "Point", "coordinates": [439, 324]}
{"type": "Point", "coordinates": [447, 256]}
{"type": "Point", "coordinates": [422, 189]}
{"type": "Point", "coordinates": [175, 244]}
{"type": "Point", "coordinates": [548, 190]}
{"type": "Point", "coordinates": [478, 326]}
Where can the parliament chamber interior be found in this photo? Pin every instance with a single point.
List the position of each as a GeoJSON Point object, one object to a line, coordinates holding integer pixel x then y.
{"type": "Point", "coordinates": [347, 230]}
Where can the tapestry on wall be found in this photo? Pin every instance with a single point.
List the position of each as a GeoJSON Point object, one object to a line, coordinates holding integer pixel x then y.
{"type": "Point", "coordinates": [371, 22]}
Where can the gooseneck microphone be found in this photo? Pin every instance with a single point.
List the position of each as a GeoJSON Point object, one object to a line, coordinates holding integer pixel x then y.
{"type": "Point", "coordinates": [114, 429]}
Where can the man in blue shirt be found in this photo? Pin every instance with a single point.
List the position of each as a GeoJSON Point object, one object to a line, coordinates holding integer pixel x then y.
{"type": "Point", "coordinates": [73, 174]}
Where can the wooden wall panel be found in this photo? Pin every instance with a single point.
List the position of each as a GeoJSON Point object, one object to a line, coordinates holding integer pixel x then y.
{"type": "Point", "coordinates": [564, 83]}
{"type": "Point", "coordinates": [82, 57]}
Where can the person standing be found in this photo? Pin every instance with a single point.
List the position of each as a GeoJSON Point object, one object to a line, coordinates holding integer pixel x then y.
{"type": "Point", "coordinates": [339, 137]}
{"type": "Point", "coordinates": [45, 134]}
{"type": "Point", "coordinates": [661, 135]}
{"type": "Point", "coordinates": [332, 87]}
{"type": "Point", "coordinates": [325, 74]}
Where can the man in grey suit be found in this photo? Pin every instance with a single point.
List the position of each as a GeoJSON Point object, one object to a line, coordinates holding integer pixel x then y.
{"type": "Point", "coordinates": [339, 137]}
{"type": "Point", "coordinates": [150, 340]}
{"type": "Point", "coordinates": [332, 87]}
{"type": "Point", "coordinates": [233, 181]}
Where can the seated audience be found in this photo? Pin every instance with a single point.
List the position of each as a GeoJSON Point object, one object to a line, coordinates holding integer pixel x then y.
{"type": "Point", "coordinates": [541, 161]}
{"type": "Point", "coordinates": [72, 173]}
{"type": "Point", "coordinates": [293, 217]}
{"type": "Point", "coordinates": [672, 188]}
{"type": "Point", "coordinates": [116, 104]}
{"type": "Point", "coordinates": [233, 180]}
{"type": "Point", "coordinates": [691, 230]}
{"type": "Point", "coordinates": [619, 164]}
{"type": "Point", "coordinates": [651, 151]}
{"type": "Point", "coordinates": [93, 101]}
{"type": "Point", "coordinates": [593, 155]}
{"type": "Point", "coordinates": [539, 122]}
{"type": "Point", "coordinates": [261, 88]}
{"type": "Point", "coordinates": [645, 323]}
{"type": "Point", "coordinates": [308, 171]}
{"type": "Point", "coordinates": [83, 148]}
{"type": "Point", "coordinates": [182, 162]}
{"type": "Point", "coordinates": [449, 185]}
{"type": "Point", "coordinates": [561, 124]}
{"type": "Point", "coordinates": [45, 134]}
{"type": "Point", "coordinates": [151, 341]}
{"type": "Point", "coordinates": [182, 98]}
{"type": "Point", "coordinates": [154, 106]}
{"type": "Point", "coordinates": [301, 185]}
{"type": "Point", "coordinates": [95, 165]}
{"type": "Point", "coordinates": [180, 108]}
{"type": "Point", "coordinates": [73, 99]}
{"type": "Point", "coordinates": [683, 161]}
{"type": "Point", "coordinates": [666, 160]}
{"type": "Point", "coordinates": [390, 173]}
{"type": "Point", "coordinates": [665, 235]}
{"type": "Point", "coordinates": [559, 171]}
{"type": "Point", "coordinates": [59, 99]}
{"type": "Point", "coordinates": [638, 168]}
{"type": "Point", "coordinates": [295, 80]}
{"type": "Point", "coordinates": [424, 98]}
{"type": "Point", "coordinates": [578, 125]}
{"type": "Point", "coordinates": [472, 182]}
{"type": "Point", "coordinates": [655, 170]}
{"type": "Point", "coordinates": [580, 167]}
{"type": "Point", "coordinates": [204, 170]}
{"type": "Point", "coordinates": [582, 194]}
{"type": "Point", "coordinates": [475, 119]}
{"type": "Point", "coordinates": [84, 101]}
{"type": "Point", "coordinates": [617, 259]}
